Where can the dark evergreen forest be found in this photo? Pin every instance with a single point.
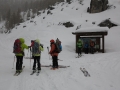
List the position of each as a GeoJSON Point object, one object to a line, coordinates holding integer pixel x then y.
{"type": "Point", "coordinates": [10, 10]}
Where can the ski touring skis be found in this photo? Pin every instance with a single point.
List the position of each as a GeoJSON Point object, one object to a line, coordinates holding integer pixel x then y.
{"type": "Point", "coordinates": [15, 73]}
{"type": "Point", "coordinates": [18, 73]}
{"type": "Point", "coordinates": [59, 66]}
{"type": "Point", "coordinates": [28, 57]}
{"type": "Point", "coordinates": [37, 72]}
{"type": "Point", "coordinates": [57, 59]}
{"type": "Point", "coordinates": [79, 56]}
{"type": "Point", "coordinates": [85, 72]}
{"type": "Point", "coordinates": [33, 72]}
{"type": "Point", "coordinates": [60, 60]}
{"type": "Point", "coordinates": [62, 66]}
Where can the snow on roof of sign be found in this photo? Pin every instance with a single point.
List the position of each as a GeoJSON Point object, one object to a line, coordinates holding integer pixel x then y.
{"type": "Point", "coordinates": [93, 29]}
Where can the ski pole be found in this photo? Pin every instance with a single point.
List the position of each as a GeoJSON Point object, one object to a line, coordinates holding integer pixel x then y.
{"type": "Point", "coordinates": [13, 62]}
{"type": "Point", "coordinates": [48, 52]}
{"type": "Point", "coordinates": [59, 59]}
{"type": "Point", "coordinates": [28, 52]}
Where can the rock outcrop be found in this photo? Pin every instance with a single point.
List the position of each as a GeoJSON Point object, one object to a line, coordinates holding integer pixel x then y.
{"type": "Point", "coordinates": [97, 6]}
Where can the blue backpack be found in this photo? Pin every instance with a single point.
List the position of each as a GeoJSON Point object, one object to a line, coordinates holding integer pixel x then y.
{"type": "Point", "coordinates": [35, 48]}
{"type": "Point", "coordinates": [58, 46]}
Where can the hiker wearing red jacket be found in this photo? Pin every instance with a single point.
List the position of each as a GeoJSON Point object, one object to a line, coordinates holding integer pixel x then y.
{"type": "Point", "coordinates": [92, 45]}
{"type": "Point", "coordinates": [54, 54]}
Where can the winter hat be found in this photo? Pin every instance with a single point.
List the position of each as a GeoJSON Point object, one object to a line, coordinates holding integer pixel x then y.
{"type": "Point", "coordinates": [52, 41]}
{"type": "Point", "coordinates": [37, 40]}
{"type": "Point", "coordinates": [79, 40]}
{"type": "Point", "coordinates": [22, 40]}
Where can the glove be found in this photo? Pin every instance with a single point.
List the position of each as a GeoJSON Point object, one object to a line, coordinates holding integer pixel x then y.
{"type": "Point", "coordinates": [29, 46]}
{"type": "Point", "coordinates": [23, 53]}
{"type": "Point", "coordinates": [49, 53]}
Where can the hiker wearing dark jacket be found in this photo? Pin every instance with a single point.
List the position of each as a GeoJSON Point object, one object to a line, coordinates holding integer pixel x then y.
{"type": "Point", "coordinates": [36, 57]}
{"type": "Point", "coordinates": [19, 56]}
{"type": "Point", "coordinates": [54, 54]}
{"type": "Point", "coordinates": [86, 47]}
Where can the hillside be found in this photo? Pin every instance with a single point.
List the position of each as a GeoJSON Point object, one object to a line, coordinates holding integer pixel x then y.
{"type": "Point", "coordinates": [103, 67]}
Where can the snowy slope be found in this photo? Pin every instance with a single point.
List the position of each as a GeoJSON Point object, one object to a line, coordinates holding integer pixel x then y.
{"type": "Point", "coordinates": [103, 67]}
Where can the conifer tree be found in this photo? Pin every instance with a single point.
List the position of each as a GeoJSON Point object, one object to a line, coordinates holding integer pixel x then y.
{"type": "Point", "coordinates": [8, 15]}
{"type": "Point", "coordinates": [18, 16]}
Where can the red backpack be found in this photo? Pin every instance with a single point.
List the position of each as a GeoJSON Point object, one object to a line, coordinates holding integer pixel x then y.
{"type": "Point", "coordinates": [17, 46]}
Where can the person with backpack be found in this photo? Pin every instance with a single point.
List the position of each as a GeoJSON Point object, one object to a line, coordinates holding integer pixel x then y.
{"type": "Point", "coordinates": [79, 46]}
{"type": "Point", "coordinates": [54, 53]}
{"type": "Point", "coordinates": [86, 47]}
{"type": "Point", "coordinates": [18, 50]}
{"type": "Point", "coordinates": [36, 52]}
{"type": "Point", "coordinates": [92, 45]}
{"type": "Point", "coordinates": [59, 46]}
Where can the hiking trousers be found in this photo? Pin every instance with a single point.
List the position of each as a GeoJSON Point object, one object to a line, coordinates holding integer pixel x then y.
{"type": "Point", "coordinates": [79, 51]}
{"type": "Point", "coordinates": [86, 50]}
{"type": "Point", "coordinates": [55, 61]}
{"type": "Point", "coordinates": [19, 62]}
{"type": "Point", "coordinates": [92, 50]}
{"type": "Point", "coordinates": [36, 61]}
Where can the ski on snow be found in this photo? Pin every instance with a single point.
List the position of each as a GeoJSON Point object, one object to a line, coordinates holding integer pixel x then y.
{"type": "Point", "coordinates": [79, 56]}
{"type": "Point", "coordinates": [28, 57]}
{"type": "Point", "coordinates": [59, 66]}
{"type": "Point", "coordinates": [33, 72]}
{"type": "Point", "coordinates": [37, 73]}
{"type": "Point", "coordinates": [18, 73]}
{"type": "Point", "coordinates": [85, 72]}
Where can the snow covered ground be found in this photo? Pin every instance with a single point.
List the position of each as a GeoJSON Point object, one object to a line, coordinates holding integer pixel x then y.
{"type": "Point", "coordinates": [103, 67]}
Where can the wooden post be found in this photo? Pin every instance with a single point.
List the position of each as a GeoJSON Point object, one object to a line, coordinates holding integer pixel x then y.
{"type": "Point", "coordinates": [76, 44]}
{"type": "Point", "coordinates": [99, 43]}
{"type": "Point", "coordinates": [77, 38]}
{"type": "Point", "coordinates": [102, 43]}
